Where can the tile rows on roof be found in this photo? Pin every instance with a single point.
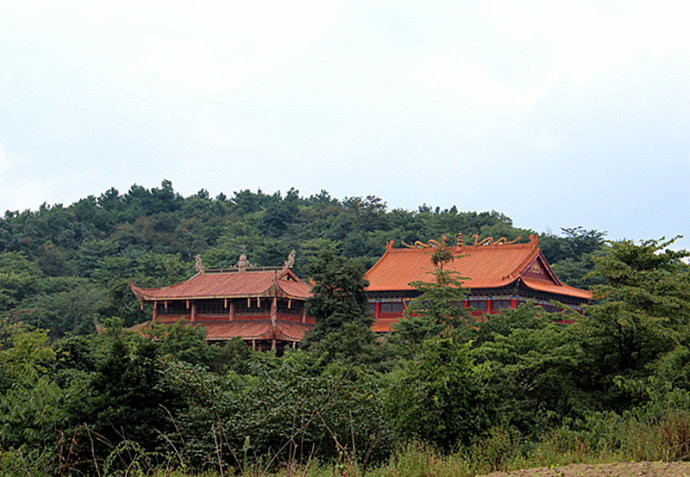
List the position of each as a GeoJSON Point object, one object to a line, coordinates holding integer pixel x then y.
{"type": "Point", "coordinates": [489, 266]}
{"type": "Point", "coordinates": [481, 266]}
{"type": "Point", "coordinates": [245, 329]}
{"type": "Point", "coordinates": [230, 284]}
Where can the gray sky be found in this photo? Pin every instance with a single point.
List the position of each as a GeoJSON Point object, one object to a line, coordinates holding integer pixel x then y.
{"type": "Point", "coordinates": [555, 113]}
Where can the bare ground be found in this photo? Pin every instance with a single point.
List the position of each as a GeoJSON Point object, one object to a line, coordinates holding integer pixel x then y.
{"type": "Point", "coordinates": [620, 469]}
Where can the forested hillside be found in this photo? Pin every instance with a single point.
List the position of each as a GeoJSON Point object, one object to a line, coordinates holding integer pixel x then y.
{"type": "Point", "coordinates": [446, 394]}
{"type": "Point", "coordinates": [63, 266]}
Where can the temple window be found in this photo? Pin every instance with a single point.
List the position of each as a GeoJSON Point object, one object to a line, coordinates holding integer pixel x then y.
{"type": "Point", "coordinates": [498, 304]}
{"type": "Point", "coordinates": [391, 307]}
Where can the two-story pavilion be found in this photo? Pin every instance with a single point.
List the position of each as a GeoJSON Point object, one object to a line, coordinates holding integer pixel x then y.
{"type": "Point", "coordinates": [264, 306]}
{"type": "Point", "coordinates": [498, 274]}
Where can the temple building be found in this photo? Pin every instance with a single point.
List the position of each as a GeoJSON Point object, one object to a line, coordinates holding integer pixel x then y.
{"type": "Point", "coordinates": [499, 274]}
{"type": "Point", "coordinates": [264, 306]}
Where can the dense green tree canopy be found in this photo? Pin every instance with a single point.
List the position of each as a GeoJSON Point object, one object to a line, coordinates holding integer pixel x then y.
{"type": "Point", "coordinates": [438, 308]}
{"type": "Point", "coordinates": [338, 297]}
{"type": "Point", "coordinates": [642, 313]}
{"type": "Point", "coordinates": [522, 383]}
{"type": "Point", "coordinates": [438, 396]}
{"type": "Point", "coordinates": [152, 235]}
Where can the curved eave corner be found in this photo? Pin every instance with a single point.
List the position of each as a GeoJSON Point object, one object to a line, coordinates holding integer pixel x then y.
{"type": "Point", "coordinates": [138, 292]}
{"type": "Point", "coordinates": [561, 289]}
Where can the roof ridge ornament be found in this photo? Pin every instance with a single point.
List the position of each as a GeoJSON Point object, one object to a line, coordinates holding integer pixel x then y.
{"type": "Point", "coordinates": [431, 244]}
{"type": "Point", "coordinates": [198, 265]}
{"type": "Point", "coordinates": [490, 241]}
{"type": "Point", "coordinates": [290, 260]}
{"type": "Point", "coordinates": [504, 241]}
{"type": "Point", "coordinates": [243, 263]}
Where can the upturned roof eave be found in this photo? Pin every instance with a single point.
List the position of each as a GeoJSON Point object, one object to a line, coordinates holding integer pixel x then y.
{"type": "Point", "coordinates": [562, 289]}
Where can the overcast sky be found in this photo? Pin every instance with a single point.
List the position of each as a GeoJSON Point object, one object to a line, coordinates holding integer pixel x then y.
{"type": "Point", "coordinates": [555, 113]}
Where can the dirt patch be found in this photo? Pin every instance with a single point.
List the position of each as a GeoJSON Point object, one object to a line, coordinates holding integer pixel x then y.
{"type": "Point", "coordinates": [620, 469]}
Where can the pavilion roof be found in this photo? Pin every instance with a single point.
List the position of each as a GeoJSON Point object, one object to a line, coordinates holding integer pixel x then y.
{"type": "Point", "coordinates": [481, 266]}
{"type": "Point", "coordinates": [246, 329]}
{"type": "Point", "coordinates": [230, 284]}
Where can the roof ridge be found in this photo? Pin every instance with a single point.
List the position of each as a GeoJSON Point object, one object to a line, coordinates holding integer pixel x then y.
{"type": "Point", "coordinates": [246, 270]}
{"type": "Point", "coordinates": [499, 246]}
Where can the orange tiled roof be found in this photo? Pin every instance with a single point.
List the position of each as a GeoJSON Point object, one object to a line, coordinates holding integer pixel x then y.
{"type": "Point", "coordinates": [230, 284]}
{"type": "Point", "coordinates": [292, 330]}
{"type": "Point", "coordinates": [562, 289]}
{"type": "Point", "coordinates": [246, 329]}
{"type": "Point", "coordinates": [483, 266]}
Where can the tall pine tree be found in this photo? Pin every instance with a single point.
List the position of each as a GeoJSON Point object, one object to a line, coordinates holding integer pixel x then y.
{"type": "Point", "coordinates": [338, 303]}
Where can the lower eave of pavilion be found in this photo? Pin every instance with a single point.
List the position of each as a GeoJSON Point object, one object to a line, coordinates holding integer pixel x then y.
{"type": "Point", "coordinates": [266, 294]}
{"type": "Point", "coordinates": [261, 329]}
